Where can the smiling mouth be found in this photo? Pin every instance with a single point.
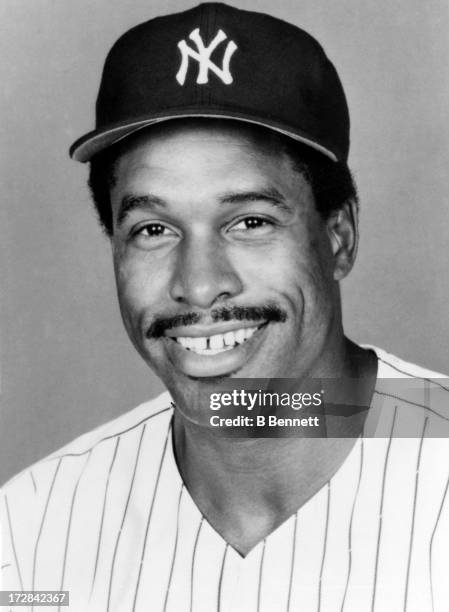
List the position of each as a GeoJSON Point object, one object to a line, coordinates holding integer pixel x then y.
{"type": "Point", "coordinates": [217, 343]}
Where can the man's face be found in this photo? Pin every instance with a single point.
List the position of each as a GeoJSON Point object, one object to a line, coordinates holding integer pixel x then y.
{"type": "Point", "coordinates": [224, 268]}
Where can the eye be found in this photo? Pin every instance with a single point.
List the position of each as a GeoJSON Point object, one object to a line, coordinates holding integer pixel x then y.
{"type": "Point", "coordinates": [252, 223]}
{"type": "Point", "coordinates": [153, 230]}
{"type": "Point", "coordinates": [152, 235]}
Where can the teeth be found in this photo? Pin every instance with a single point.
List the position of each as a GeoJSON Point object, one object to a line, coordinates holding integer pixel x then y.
{"type": "Point", "coordinates": [198, 344]}
{"type": "Point", "coordinates": [216, 342]}
{"type": "Point", "coordinates": [240, 336]}
{"type": "Point", "coordinates": [185, 342]}
{"type": "Point", "coordinates": [229, 338]}
{"type": "Point", "coordinates": [212, 345]}
{"type": "Point", "coordinates": [214, 351]}
{"type": "Point", "coordinates": [249, 331]}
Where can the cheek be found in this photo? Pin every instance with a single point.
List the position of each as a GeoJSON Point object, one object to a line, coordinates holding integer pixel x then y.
{"type": "Point", "coordinates": [296, 266]}
{"type": "Point", "coordinates": [138, 289]}
{"type": "Point", "coordinates": [127, 284]}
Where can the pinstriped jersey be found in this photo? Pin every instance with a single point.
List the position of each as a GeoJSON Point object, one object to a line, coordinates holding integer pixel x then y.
{"type": "Point", "coordinates": [109, 519]}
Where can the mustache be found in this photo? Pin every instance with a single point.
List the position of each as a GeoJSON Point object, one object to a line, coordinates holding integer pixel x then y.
{"type": "Point", "coordinates": [265, 313]}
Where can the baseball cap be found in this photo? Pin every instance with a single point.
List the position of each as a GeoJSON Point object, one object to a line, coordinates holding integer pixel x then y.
{"type": "Point", "coordinates": [218, 61]}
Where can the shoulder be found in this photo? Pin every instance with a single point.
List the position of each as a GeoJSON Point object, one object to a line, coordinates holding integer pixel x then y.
{"type": "Point", "coordinates": [416, 397]}
{"type": "Point", "coordinates": [391, 366]}
{"type": "Point", "coordinates": [157, 410]}
{"type": "Point", "coordinates": [38, 503]}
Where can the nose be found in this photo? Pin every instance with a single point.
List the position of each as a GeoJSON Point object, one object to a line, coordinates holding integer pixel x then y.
{"type": "Point", "coordinates": [203, 274]}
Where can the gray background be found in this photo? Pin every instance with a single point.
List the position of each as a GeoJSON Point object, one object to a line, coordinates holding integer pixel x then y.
{"type": "Point", "coordinates": [66, 363]}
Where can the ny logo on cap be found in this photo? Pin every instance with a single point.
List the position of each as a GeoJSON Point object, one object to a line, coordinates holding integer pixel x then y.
{"type": "Point", "coordinates": [202, 56]}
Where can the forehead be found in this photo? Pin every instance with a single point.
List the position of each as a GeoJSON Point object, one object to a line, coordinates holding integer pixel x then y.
{"type": "Point", "coordinates": [189, 140]}
{"type": "Point", "coordinates": [204, 159]}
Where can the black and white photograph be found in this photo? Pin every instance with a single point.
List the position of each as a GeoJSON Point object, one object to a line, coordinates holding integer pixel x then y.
{"type": "Point", "coordinates": [224, 331]}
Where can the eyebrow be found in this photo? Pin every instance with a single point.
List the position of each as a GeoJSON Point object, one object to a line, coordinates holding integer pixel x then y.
{"type": "Point", "coordinates": [271, 195]}
{"type": "Point", "coordinates": [132, 202]}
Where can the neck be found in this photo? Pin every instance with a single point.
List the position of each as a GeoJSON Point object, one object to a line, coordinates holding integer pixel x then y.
{"type": "Point", "coordinates": [246, 487]}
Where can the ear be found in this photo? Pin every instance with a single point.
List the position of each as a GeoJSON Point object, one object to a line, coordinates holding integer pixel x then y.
{"type": "Point", "coordinates": [343, 232]}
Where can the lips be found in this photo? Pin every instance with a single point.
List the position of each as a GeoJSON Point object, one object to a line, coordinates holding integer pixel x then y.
{"type": "Point", "coordinates": [198, 352]}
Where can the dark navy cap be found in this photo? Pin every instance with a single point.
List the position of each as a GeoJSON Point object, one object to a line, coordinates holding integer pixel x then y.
{"type": "Point", "coordinates": [218, 61]}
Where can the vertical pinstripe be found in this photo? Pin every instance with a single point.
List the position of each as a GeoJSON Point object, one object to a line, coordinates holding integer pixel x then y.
{"type": "Point", "coordinates": [124, 517]}
{"type": "Point", "coordinates": [12, 543]}
{"type": "Point", "coordinates": [379, 532]}
{"type": "Point", "coordinates": [412, 531]}
{"type": "Point", "coordinates": [220, 580]}
{"type": "Point", "coordinates": [301, 564]}
{"type": "Point", "coordinates": [175, 548]}
{"type": "Point", "coordinates": [69, 525]}
{"type": "Point", "coordinates": [429, 380]}
{"type": "Point", "coordinates": [36, 547]}
{"type": "Point", "coordinates": [432, 537]}
{"type": "Point", "coordinates": [292, 563]}
{"type": "Point", "coordinates": [33, 481]}
{"type": "Point", "coordinates": [326, 527]}
{"type": "Point", "coordinates": [192, 568]}
{"type": "Point", "coordinates": [350, 526]}
{"type": "Point", "coordinates": [149, 518]}
{"type": "Point", "coordinates": [259, 587]}
{"type": "Point", "coordinates": [100, 533]}
{"type": "Point", "coordinates": [417, 404]}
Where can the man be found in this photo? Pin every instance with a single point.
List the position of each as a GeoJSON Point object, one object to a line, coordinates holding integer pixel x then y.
{"type": "Point", "coordinates": [219, 170]}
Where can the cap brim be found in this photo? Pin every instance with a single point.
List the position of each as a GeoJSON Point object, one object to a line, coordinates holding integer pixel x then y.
{"type": "Point", "coordinates": [96, 141]}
